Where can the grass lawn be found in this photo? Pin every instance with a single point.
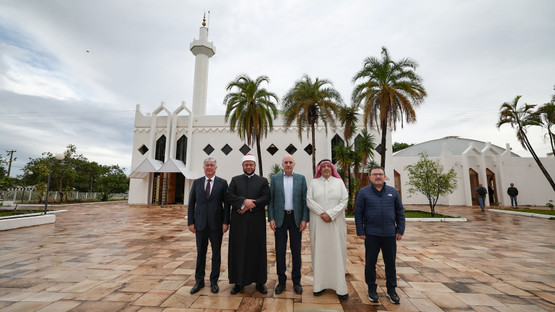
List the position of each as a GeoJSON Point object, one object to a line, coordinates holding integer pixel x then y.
{"type": "Point", "coordinates": [415, 214]}
{"type": "Point", "coordinates": [6, 213]}
{"type": "Point", "coordinates": [539, 211]}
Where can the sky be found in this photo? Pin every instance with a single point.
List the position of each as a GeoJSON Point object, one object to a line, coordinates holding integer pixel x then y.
{"type": "Point", "coordinates": [72, 72]}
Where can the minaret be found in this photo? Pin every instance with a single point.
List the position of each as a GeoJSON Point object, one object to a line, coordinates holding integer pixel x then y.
{"type": "Point", "coordinates": [203, 51]}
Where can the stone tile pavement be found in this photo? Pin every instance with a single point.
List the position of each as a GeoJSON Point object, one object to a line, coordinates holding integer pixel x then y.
{"type": "Point", "coordinates": [113, 257]}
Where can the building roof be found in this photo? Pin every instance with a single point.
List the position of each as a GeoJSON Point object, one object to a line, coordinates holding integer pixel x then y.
{"type": "Point", "coordinates": [454, 144]}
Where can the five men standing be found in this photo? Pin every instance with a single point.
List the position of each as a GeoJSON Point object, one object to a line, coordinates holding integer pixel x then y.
{"type": "Point", "coordinates": [214, 206]}
{"type": "Point", "coordinates": [288, 212]}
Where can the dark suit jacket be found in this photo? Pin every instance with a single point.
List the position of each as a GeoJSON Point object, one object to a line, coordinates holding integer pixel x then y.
{"type": "Point", "coordinates": [277, 202]}
{"type": "Point", "coordinates": [213, 210]}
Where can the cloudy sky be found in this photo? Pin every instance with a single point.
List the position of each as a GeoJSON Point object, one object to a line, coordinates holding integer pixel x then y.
{"type": "Point", "coordinates": [72, 72]}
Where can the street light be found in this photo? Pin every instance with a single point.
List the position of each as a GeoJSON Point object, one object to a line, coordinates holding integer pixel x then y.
{"type": "Point", "coordinates": [59, 156]}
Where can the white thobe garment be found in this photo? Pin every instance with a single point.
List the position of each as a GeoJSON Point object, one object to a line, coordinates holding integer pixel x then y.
{"type": "Point", "coordinates": [328, 241]}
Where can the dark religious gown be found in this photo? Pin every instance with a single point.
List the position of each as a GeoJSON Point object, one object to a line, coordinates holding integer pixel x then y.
{"type": "Point", "coordinates": [247, 257]}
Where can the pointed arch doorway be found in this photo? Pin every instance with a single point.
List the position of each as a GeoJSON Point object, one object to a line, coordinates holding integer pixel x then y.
{"type": "Point", "coordinates": [491, 186]}
{"type": "Point", "coordinates": [473, 186]}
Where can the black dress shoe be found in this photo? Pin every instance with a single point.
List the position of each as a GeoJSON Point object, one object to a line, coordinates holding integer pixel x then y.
{"type": "Point", "coordinates": [236, 288]}
{"type": "Point", "coordinates": [373, 296]}
{"type": "Point", "coordinates": [343, 297]}
{"type": "Point", "coordinates": [393, 297]}
{"type": "Point", "coordinates": [262, 288]}
{"type": "Point", "coordinates": [214, 288]}
{"type": "Point", "coordinates": [318, 293]}
{"type": "Point", "coordinates": [197, 287]}
{"type": "Point", "coordinates": [298, 289]}
{"type": "Point", "coordinates": [280, 288]}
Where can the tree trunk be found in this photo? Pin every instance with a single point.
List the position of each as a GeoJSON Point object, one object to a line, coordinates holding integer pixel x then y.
{"type": "Point", "coordinates": [551, 140]}
{"type": "Point", "coordinates": [259, 156]}
{"type": "Point", "coordinates": [384, 135]}
{"type": "Point", "coordinates": [542, 168]}
{"type": "Point", "coordinates": [313, 150]}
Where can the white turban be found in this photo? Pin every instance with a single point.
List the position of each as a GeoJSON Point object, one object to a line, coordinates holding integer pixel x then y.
{"type": "Point", "coordinates": [248, 157]}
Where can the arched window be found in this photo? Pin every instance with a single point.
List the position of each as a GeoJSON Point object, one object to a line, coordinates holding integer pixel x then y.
{"type": "Point", "coordinates": [336, 140]}
{"type": "Point", "coordinates": [160, 148]}
{"type": "Point", "coordinates": [181, 151]}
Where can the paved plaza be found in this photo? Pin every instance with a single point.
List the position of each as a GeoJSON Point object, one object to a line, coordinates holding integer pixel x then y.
{"type": "Point", "coordinates": [115, 257]}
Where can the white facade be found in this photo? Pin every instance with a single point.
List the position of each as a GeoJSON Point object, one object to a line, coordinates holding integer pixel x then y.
{"type": "Point", "coordinates": [477, 162]}
{"type": "Point", "coordinates": [206, 133]}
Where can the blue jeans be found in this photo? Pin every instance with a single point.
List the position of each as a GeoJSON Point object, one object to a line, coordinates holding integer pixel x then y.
{"type": "Point", "coordinates": [482, 202]}
{"type": "Point", "coordinates": [513, 201]}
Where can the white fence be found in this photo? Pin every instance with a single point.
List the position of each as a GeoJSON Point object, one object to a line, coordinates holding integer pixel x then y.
{"type": "Point", "coordinates": [29, 195]}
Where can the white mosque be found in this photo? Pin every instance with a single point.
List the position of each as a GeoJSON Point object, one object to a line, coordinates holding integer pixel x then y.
{"type": "Point", "coordinates": [169, 147]}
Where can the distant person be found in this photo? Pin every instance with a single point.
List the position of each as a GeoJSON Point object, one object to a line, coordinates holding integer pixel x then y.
{"type": "Point", "coordinates": [327, 198]}
{"type": "Point", "coordinates": [482, 192]}
{"type": "Point", "coordinates": [380, 221]}
{"type": "Point", "coordinates": [287, 212]}
{"type": "Point", "coordinates": [208, 218]}
{"type": "Point", "coordinates": [491, 191]}
{"type": "Point", "coordinates": [513, 193]}
{"type": "Point", "coordinates": [248, 194]}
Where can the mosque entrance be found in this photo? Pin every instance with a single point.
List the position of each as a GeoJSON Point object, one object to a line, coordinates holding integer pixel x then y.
{"type": "Point", "coordinates": [491, 186]}
{"type": "Point", "coordinates": [176, 188]}
{"type": "Point", "coordinates": [473, 186]}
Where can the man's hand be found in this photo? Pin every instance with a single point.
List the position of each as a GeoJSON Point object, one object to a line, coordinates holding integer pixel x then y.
{"type": "Point", "coordinates": [273, 225]}
{"type": "Point", "coordinates": [399, 236]}
{"type": "Point", "coordinates": [192, 228]}
{"type": "Point", "coordinates": [302, 227]}
{"type": "Point", "coordinates": [362, 236]}
{"type": "Point", "coordinates": [225, 227]}
{"type": "Point", "coordinates": [249, 203]}
{"type": "Point", "coordinates": [326, 217]}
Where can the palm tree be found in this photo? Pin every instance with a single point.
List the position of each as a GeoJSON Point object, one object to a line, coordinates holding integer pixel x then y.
{"type": "Point", "coordinates": [345, 157]}
{"type": "Point", "coordinates": [390, 92]}
{"type": "Point", "coordinates": [520, 118]}
{"type": "Point", "coordinates": [348, 116]}
{"type": "Point", "coordinates": [251, 109]}
{"type": "Point", "coordinates": [547, 115]}
{"type": "Point", "coordinates": [365, 147]}
{"type": "Point", "coordinates": [309, 102]}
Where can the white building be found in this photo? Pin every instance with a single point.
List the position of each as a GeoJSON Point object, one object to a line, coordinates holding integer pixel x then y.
{"type": "Point", "coordinates": [169, 145]}
{"type": "Point", "coordinates": [477, 162]}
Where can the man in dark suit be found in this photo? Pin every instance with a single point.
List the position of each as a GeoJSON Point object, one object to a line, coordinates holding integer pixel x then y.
{"type": "Point", "coordinates": [287, 211]}
{"type": "Point", "coordinates": [208, 218]}
{"type": "Point", "coordinates": [248, 194]}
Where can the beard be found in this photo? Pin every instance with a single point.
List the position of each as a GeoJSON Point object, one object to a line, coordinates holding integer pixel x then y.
{"type": "Point", "coordinates": [248, 173]}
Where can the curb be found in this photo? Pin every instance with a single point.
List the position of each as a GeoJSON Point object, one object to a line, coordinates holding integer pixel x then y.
{"type": "Point", "coordinates": [526, 214]}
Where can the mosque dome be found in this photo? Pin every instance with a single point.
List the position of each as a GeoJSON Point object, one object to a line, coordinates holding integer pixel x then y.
{"type": "Point", "coordinates": [454, 144]}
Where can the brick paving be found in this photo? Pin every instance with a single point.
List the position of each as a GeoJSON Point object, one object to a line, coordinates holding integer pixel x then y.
{"type": "Point", "coordinates": [115, 257]}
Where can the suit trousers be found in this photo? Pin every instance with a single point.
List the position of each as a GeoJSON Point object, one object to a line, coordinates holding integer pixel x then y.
{"type": "Point", "coordinates": [388, 246]}
{"type": "Point", "coordinates": [295, 237]}
{"type": "Point", "coordinates": [215, 237]}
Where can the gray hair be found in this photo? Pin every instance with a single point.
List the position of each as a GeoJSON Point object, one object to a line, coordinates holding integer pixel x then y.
{"type": "Point", "coordinates": [210, 159]}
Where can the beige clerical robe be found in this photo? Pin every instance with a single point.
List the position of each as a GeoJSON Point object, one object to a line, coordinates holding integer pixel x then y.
{"type": "Point", "coordinates": [328, 240]}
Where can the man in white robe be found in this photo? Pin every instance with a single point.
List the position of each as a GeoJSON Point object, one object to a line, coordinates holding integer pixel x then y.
{"type": "Point", "coordinates": [327, 198]}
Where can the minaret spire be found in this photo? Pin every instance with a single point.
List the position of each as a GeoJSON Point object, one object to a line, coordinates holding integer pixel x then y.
{"type": "Point", "coordinates": [203, 50]}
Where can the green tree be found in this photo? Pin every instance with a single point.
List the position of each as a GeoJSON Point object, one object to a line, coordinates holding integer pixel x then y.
{"type": "Point", "coordinates": [309, 102]}
{"type": "Point", "coordinates": [547, 116]}
{"type": "Point", "coordinates": [251, 110]}
{"type": "Point", "coordinates": [397, 146]}
{"type": "Point", "coordinates": [427, 177]}
{"type": "Point", "coordinates": [389, 91]}
{"type": "Point", "coordinates": [346, 158]}
{"type": "Point", "coordinates": [112, 180]}
{"type": "Point", "coordinates": [276, 168]}
{"type": "Point", "coordinates": [365, 147]}
{"type": "Point", "coordinates": [520, 118]}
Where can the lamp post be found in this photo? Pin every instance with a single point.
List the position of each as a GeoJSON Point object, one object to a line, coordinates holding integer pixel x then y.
{"type": "Point", "coordinates": [59, 156]}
